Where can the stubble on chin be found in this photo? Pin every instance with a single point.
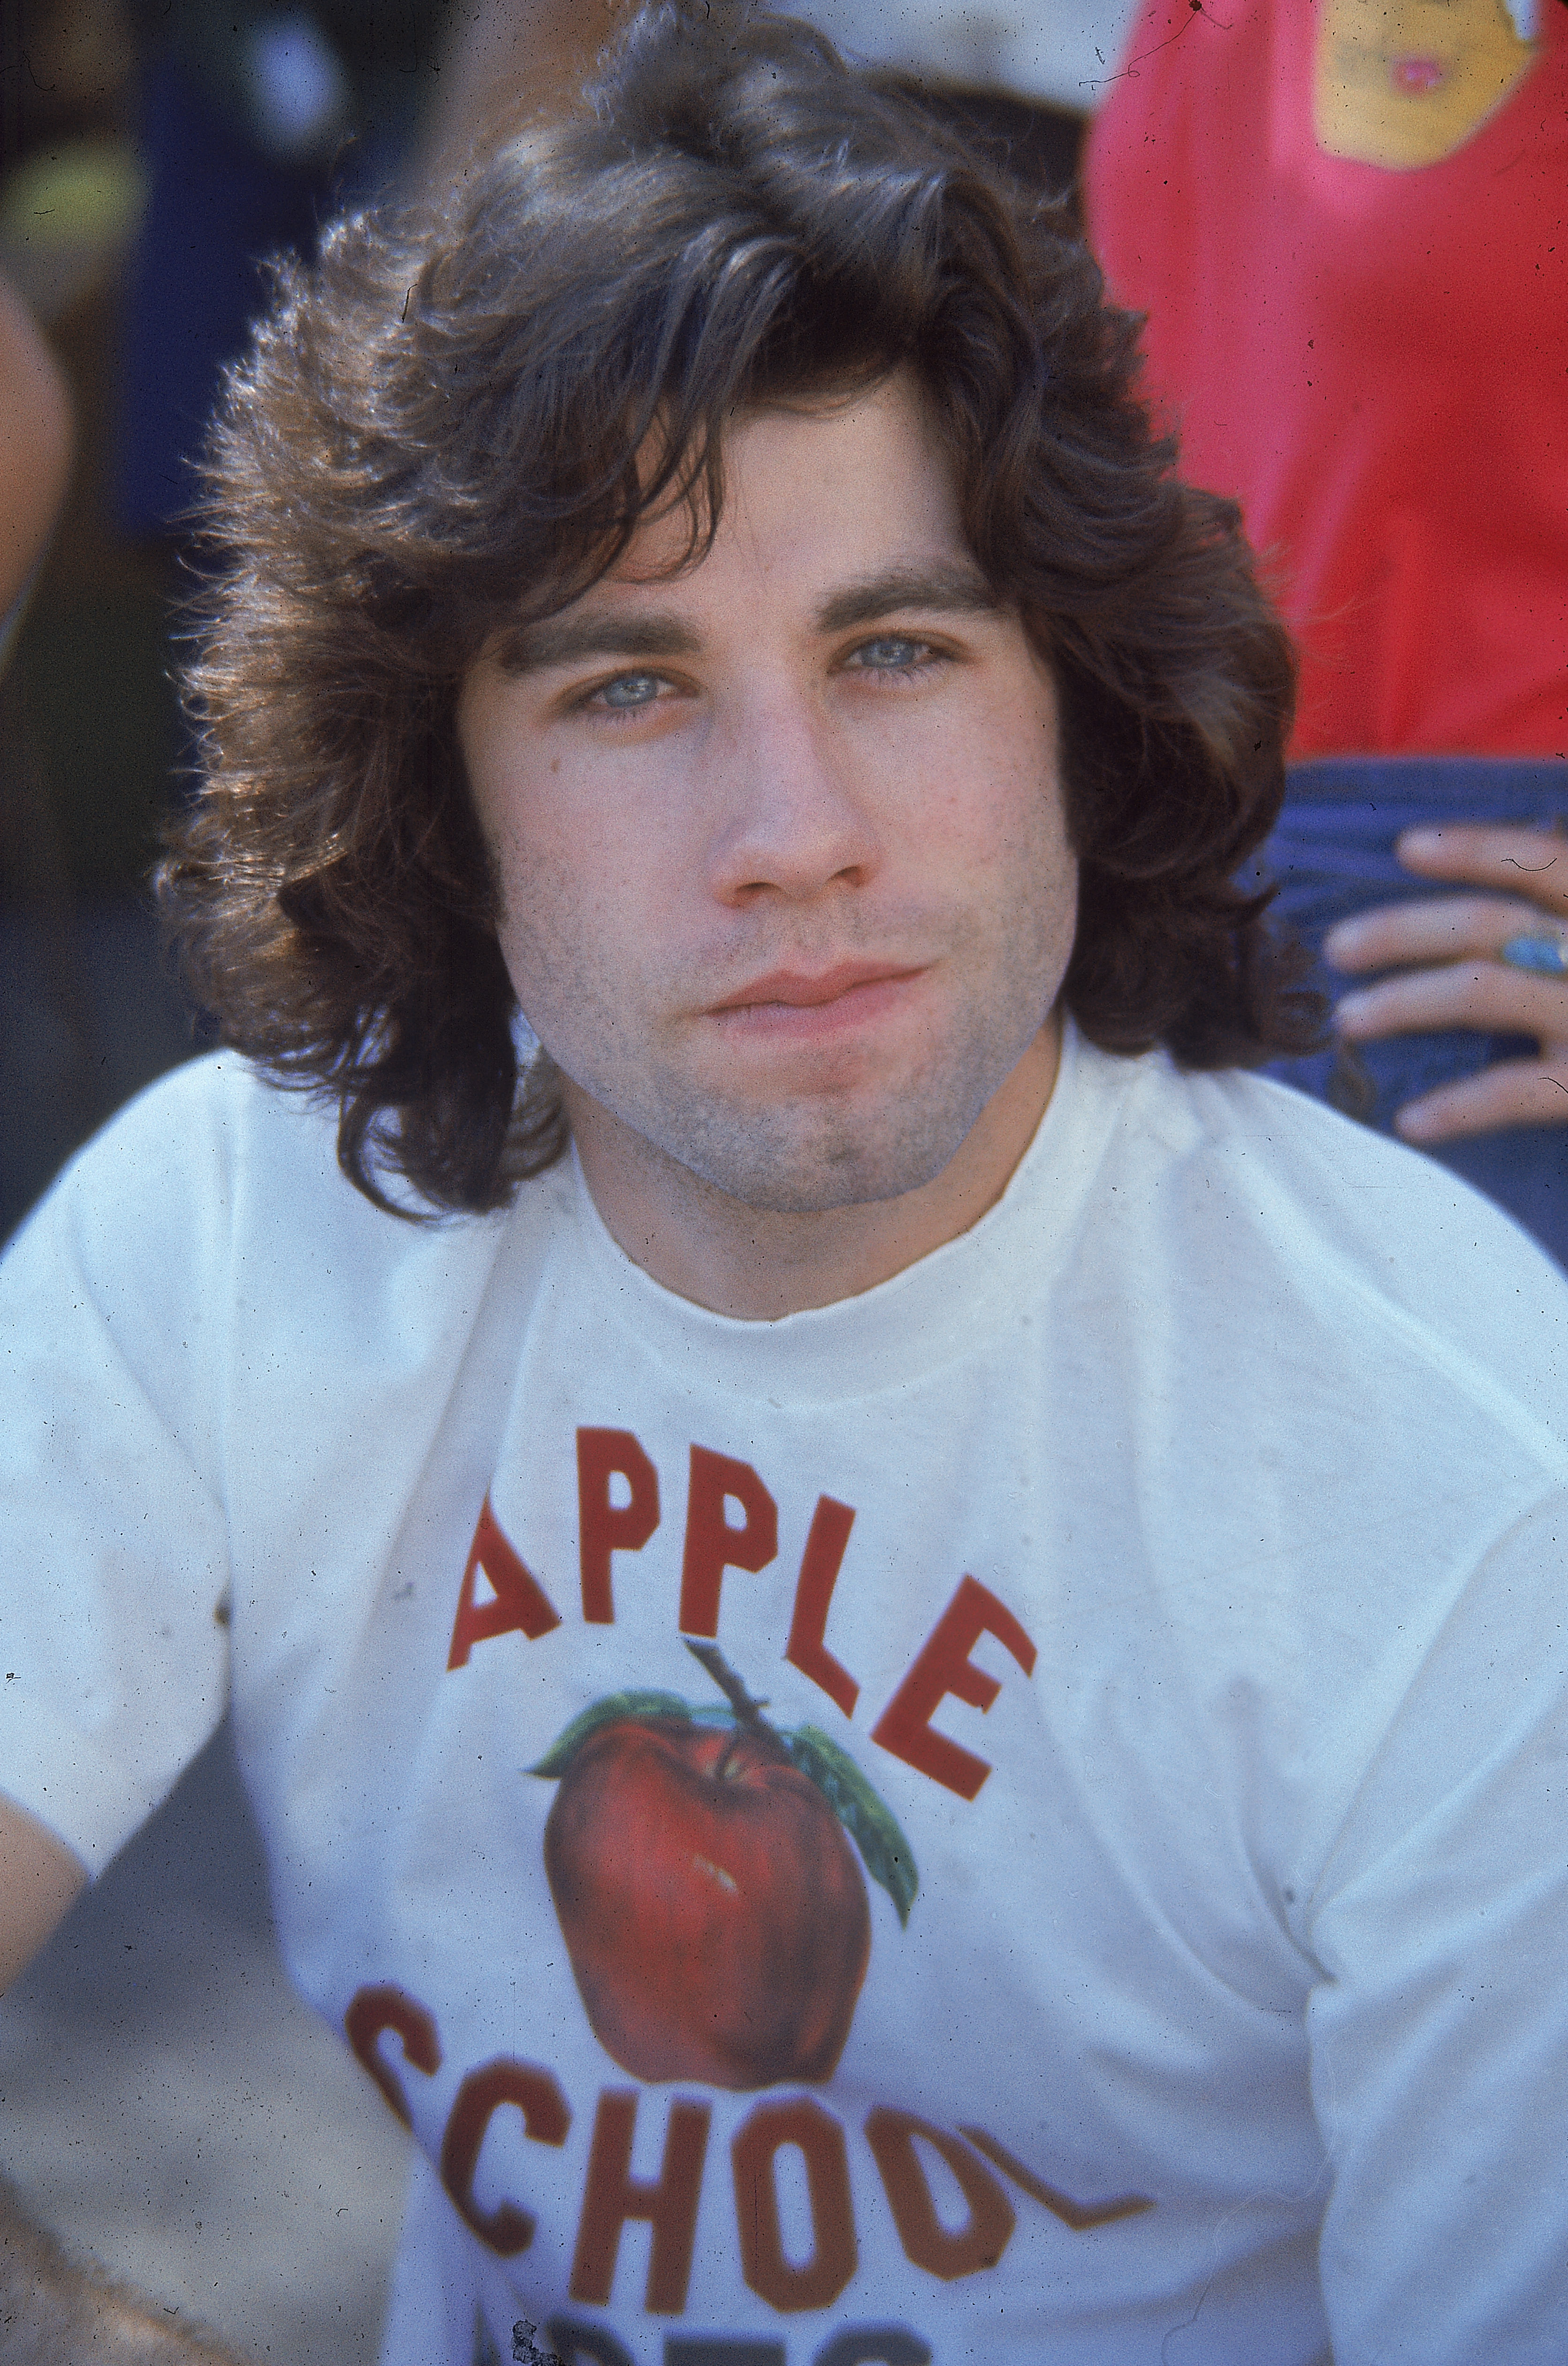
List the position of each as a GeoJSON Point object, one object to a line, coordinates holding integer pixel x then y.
{"type": "Point", "coordinates": [802, 1155]}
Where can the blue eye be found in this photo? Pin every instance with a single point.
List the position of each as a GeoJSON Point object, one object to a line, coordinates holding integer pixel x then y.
{"type": "Point", "coordinates": [892, 654]}
{"type": "Point", "coordinates": [629, 690]}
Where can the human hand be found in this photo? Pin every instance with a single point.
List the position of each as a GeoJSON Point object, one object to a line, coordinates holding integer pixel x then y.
{"type": "Point", "coordinates": [1495, 963]}
{"type": "Point", "coordinates": [53, 2313]}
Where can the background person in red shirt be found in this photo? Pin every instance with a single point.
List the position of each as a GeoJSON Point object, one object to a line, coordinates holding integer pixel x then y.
{"type": "Point", "coordinates": [1347, 222]}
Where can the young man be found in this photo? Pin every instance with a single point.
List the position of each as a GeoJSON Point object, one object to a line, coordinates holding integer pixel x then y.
{"type": "Point", "coordinates": [912, 1708]}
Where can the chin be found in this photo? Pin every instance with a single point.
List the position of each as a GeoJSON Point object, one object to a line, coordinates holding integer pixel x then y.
{"type": "Point", "coordinates": [780, 1169]}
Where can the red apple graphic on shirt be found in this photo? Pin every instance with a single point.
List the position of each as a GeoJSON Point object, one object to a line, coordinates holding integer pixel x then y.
{"type": "Point", "coordinates": [714, 1909]}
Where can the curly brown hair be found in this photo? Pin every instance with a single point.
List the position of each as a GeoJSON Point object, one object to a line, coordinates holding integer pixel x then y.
{"type": "Point", "coordinates": [437, 435]}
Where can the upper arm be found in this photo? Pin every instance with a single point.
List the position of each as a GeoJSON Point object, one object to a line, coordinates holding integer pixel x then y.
{"type": "Point", "coordinates": [34, 444]}
{"type": "Point", "coordinates": [114, 1535]}
{"type": "Point", "coordinates": [40, 1879]}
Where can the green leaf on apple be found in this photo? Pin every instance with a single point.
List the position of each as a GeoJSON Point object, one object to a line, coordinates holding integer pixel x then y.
{"type": "Point", "coordinates": [614, 1706]}
{"type": "Point", "coordinates": [870, 1823]}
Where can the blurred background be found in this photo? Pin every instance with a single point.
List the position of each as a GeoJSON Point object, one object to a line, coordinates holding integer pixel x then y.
{"type": "Point", "coordinates": [154, 153]}
{"type": "Point", "coordinates": [166, 2105]}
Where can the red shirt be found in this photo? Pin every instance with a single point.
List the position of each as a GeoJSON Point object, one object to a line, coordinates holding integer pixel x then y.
{"type": "Point", "coordinates": [1374, 362]}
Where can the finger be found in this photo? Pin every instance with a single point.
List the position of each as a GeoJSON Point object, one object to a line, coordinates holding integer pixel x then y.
{"type": "Point", "coordinates": [1530, 862]}
{"type": "Point", "coordinates": [1459, 994]}
{"type": "Point", "coordinates": [1513, 1092]}
{"type": "Point", "coordinates": [1443, 929]}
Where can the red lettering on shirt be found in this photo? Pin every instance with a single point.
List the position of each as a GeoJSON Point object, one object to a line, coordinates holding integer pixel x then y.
{"type": "Point", "coordinates": [1078, 2216]}
{"type": "Point", "coordinates": [668, 2204]}
{"type": "Point", "coordinates": [519, 1604]}
{"type": "Point", "coordinates": [944, 1667]}
{"type": "Point", "coordinates": [712, 1545]}
{"type": "Point", "coordinates": [819, 1567]}
{"type": "Point", "coordinates": [979, 2244]}
{"type": "Point", "coordinates": [605, 1527]}
{"type": "Point", "coordinates": [546, 2117]}
{"type": "Point", "coordinates": [834, 2254]}
{"type": "Point", "coordinates": [378, 2008]}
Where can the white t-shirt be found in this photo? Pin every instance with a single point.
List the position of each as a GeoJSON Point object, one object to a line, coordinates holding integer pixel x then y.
{"type": "Point", "coordinates": [1169, 1569]}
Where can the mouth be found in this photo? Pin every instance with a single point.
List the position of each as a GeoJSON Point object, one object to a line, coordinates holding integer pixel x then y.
{"type": "Point", "coordinates": [794, 1003]}
{"type": "Point", "coordinates": [794, 990]}
{"type": "Point", "coordinates": [1416, 76]}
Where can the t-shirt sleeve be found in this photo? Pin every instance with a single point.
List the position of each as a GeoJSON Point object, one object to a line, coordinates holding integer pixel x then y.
{"type": "Point", "coordinates": [113, 1547]}
{"type": "Point", "coordinates": [1439, 2032]}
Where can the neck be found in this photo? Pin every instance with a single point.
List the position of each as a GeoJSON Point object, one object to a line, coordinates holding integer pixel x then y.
{"type": "Point", "coordinates": [760, 1263]}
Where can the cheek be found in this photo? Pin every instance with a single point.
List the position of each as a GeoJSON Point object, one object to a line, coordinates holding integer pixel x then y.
{"type": "Point", "coordinates": [1017, 831]}
{"type": "Point", "coordinates": [1037, 875]}
{"type": "Point", "coordinates": [576, 835]}
{"type": "Point", "coordinates": [552, 851]}
{"type": "Point", "coordinates": [580, 928]}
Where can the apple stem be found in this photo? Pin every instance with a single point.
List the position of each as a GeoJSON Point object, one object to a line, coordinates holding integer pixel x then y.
{"type": "Point", "coordinates": [747, 1711]}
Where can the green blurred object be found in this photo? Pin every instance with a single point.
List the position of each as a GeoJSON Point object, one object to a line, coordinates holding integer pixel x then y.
{"type": "Point", "coordinates": [83, 190]}
{"type": "Point", "coordinates": [67, 216]}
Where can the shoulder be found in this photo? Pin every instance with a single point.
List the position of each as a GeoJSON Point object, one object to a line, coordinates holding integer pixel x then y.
{"type": "Point", "coordinates": [1313, 1239]}
{"type": "Point", "coordinates": [179, 1168]}
{"type": "Point", "coordinates": [215, 1191]}
{"type": "Point", "coordinates": [205, 1260]}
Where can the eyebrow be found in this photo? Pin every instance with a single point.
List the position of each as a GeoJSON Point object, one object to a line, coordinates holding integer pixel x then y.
{"type": "Point", "coordinates": [568, 639]}
{"type": "Point", "coordinates": [950, 590]}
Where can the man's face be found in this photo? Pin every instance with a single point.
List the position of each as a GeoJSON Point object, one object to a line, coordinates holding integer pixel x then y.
{"type": "Point", "coordinates": [786, 884]}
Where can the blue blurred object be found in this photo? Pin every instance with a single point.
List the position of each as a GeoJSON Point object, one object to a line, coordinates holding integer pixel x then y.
{"type": "Point", "coordinates": [1333, 855]}
{"type": "Point", "coordinates": [216, 207]}
{"type": "Point", "coordinates": [1547, 957]}
{"type": "Point", "coordinates": [253, 134]}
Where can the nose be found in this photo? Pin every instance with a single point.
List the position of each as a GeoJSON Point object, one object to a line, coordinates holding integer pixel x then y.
{"type": "Point", "coordinates": [790, 817]}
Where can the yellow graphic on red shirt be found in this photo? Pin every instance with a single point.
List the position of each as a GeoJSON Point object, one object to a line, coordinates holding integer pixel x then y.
{"type": "Point", "coordinates": [713, 1910]}
{"type": "Point", "coordinates": [1404, 83]}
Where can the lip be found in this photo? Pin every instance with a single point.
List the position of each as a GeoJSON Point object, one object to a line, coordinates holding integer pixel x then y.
{"type": "Point", "coordinates": [790, 989]}
{"type": "Point", "coordinates": [788, 1006]}
{"type": "Point", "coordinates": [1416, 75]}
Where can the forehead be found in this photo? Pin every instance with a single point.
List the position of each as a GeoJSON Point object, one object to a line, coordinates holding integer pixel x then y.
{"type": "Point", "coordinates": [811, 491]}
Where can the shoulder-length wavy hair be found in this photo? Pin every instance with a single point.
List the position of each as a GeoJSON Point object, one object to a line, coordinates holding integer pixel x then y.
{"type": "Point", "coordinates": [437, 435]}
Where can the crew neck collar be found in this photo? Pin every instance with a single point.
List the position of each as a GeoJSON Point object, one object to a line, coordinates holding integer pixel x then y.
{"type": "Point", "coordinates": [944, 1305]}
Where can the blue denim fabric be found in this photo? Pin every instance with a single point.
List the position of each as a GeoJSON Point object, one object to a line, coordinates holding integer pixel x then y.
{"type": "Point", "coordinates": [1333, 855]}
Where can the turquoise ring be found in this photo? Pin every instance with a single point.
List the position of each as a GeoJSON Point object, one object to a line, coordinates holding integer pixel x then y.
{"type": "Point", "coordinates": [1547, 957]}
